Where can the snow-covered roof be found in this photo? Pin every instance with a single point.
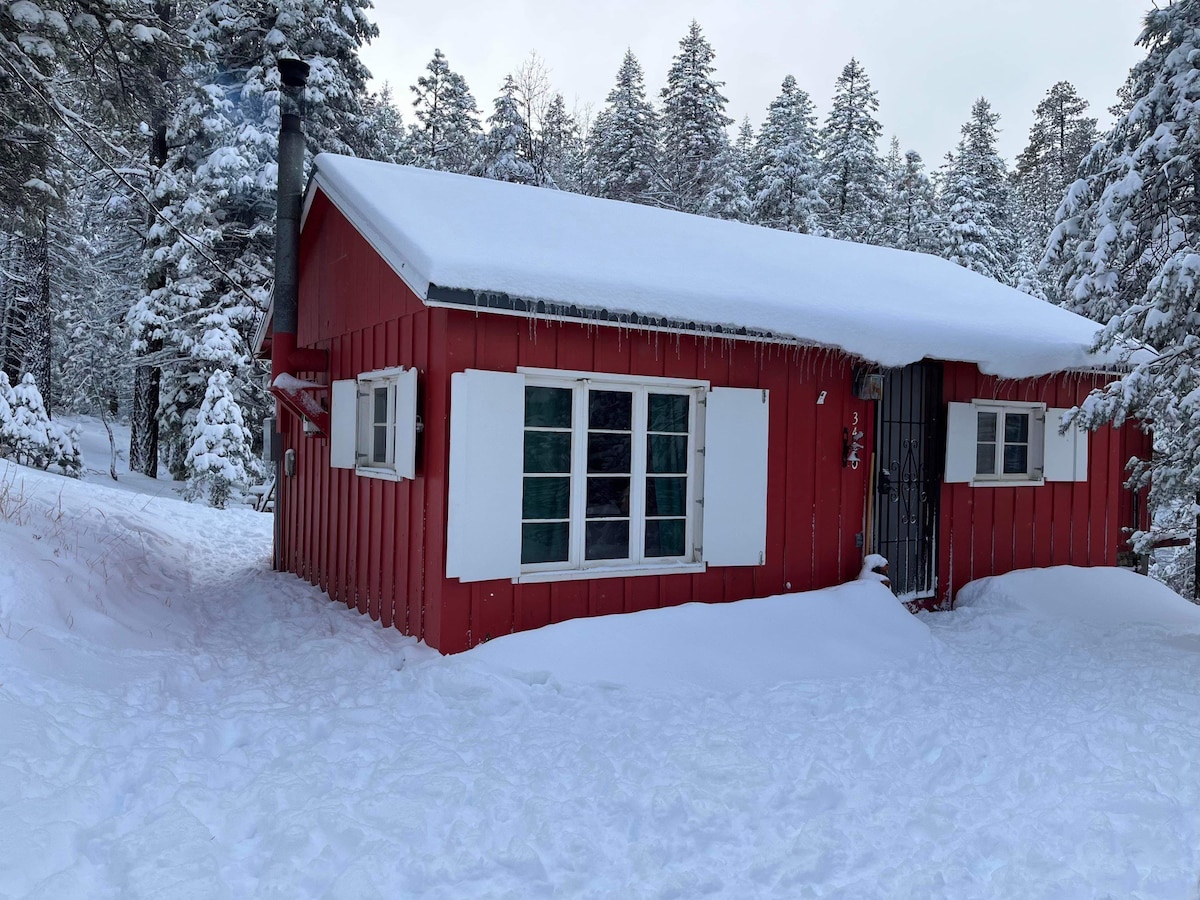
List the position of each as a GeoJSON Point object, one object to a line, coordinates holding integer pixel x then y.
{"type": "Point", "coordinates": [442, 232]}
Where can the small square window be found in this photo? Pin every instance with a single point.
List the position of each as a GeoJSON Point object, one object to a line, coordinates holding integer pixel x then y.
{"type": "Point", "coordinates": [1003, 448]}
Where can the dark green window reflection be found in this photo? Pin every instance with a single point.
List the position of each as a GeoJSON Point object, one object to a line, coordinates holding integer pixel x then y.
{"type": "Point", "coordinates": [609, 453]}
{"type": "Point", "coordinates": [543, 542]}
{"type": "Point", "coordinates": [546, 498]}
{"type": "Point", "coordinates": [668, 412]}
{"type": "Point", "coordinates": [665, 537]}
{"type": "Point", "coordinates": [547, 407]}
{"type": "Point", "coordinates": [547, 451]}
{"type": "Point", "coordinates": [607, 497]}
{"type": "Point", "coordinates": [606, 539]}
{"type": "Point", "coordinates": [666, 453]}
{"type": "Point", "coordinates": [610, 410]}
{"type": "Point", "coordinates": [666, 496]}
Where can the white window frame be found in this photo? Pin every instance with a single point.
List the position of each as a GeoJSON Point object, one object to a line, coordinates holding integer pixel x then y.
{"type": "Point", "coordinates": [576, 565]}
{"type": "Point", "coordinates": [1034, 474]}
{"type": "Point", "coordinates": [367, 384]}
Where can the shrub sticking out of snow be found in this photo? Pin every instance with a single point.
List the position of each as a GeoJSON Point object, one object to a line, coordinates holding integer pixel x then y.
{"type": "Point", "coordinates": [27, 435]}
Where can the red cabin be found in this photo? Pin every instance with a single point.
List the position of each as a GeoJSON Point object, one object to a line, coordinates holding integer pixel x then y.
{"type": "Point", "coordinates": [540, 405]}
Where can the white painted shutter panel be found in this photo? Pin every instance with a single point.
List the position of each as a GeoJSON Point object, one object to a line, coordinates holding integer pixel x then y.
{"type": "Point", "coordinates": [343, 423]}
{"type": "Point", "coordinates": [1066, 455]}
{"type": "Point", "coordinates": [962, 436]}
{"type": "Point", "coordinates": [406, 424]}
{"type": "Point", "coordinates": [487, 440]}
{"type": "Point", "coordinates": [735, 477]}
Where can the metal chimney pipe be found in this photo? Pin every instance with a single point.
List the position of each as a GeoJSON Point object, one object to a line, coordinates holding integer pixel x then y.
{"type": "Point", "coordinates": [293, 75]}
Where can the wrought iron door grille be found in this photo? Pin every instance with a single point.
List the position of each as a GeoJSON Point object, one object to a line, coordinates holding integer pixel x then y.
{"type": "Point", "coordinates": [907, 458]}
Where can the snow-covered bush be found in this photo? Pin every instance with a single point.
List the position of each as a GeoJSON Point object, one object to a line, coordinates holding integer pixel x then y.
{"type": "Point", "coordinates": [219, 462]}
{"type": "Point", "coordinates": [27, 435]}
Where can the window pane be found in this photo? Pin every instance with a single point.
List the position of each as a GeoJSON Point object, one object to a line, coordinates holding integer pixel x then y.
{"type": "Point", "coordinates": [985, 459]}
{"type": "Point", "coordinates": [664, 537]}
{"type": "Point", "coordinates": [544, 542]}
{"type": "Point", "coordinates": [666, 496]}
{"type": "Point", "coordinates": [666, 453]}
{"type": "Point", "coordinates": [547, 407]}
{"type": "Point", "coordinates": [606, 540]}
{"type": "Point", "coordinates": [547, 451]}
{"type": "Point", "coordinates": [609, 453]}
{"type": "Point", "coordinates": [1016, 428]}
{"type": "Point", "coordinates": [612, 410]}
{"type": "Point", "coordinates": [546, 498]}
{"type": "Point", "coordinates": [987, 427]}
{"type": "Point", "coordinates": [379, 444]}
{"type": "Point", "coordinates": [381, 405]}
{"type": "Point", "coordinates": [607, 497]}
{"type": "Point", "coordinates": [668, 412]}
{"type": "Point", "coordinates": [1016, 459]}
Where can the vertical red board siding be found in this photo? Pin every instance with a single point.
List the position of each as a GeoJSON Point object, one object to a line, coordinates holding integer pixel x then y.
{"type": "Point", "coordinates": [379, 546]}
{"type": "Point", "coordinates": [992, 530]}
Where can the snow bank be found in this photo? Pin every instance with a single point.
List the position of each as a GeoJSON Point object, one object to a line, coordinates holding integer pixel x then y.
{"type": "Point", "coordinates": [890, 306]}
{"type": "Point", "coordinates": [1096, 596]}
{"type": "Point", "coordinates": [836, 633]}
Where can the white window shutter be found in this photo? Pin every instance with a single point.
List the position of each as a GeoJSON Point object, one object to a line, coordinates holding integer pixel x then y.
{"type": "Point", "coordinates": [962, 436]}
{"type": "Point", "coordinates": [406, 423]}
{"type": "Point", "coordinates": [1066, 455]}
{"type": "Point", "coordinates": [343, 423]}
{"type": "Point", "coordinates": [487, 451]}
{"type": "Point", "coordinates": [735, 477]}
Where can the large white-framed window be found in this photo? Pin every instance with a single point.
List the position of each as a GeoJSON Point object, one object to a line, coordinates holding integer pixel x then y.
{"type": "Point", "coordinates": [609, 474]}
{"type": "Point", "coordinates": [373, 423]}
{"type": "Point", "coordinates": [992, 443]}
{"type": "Point", "coordinates": [558, 475]}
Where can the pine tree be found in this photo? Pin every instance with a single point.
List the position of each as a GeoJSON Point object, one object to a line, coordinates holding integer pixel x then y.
{"type": "Point", "coordinates": [382, 131]}
{"type": "Point", "coordinates": [693, 124]}
{"type": "Point", "coordinates": [915, 207]}
{"type": "Point", "coordinates": [447, 133]}
{"type": "Point", "coordinates": [219, 461]}
{"type": "Point", "coordinates": [1060, 137]}
{"type": "Point", "coordinates": [560, 148]}
{"type": "Point", "coordinates": [851, 172]}
{"type": "Point", "coordinates": [505, 146]}
{"type": "Point", "coordinates": [622, 146]}
{"type": "Point", "coordinates": [1128, 246]}
{"type": "Point", "coordinates": [728, 196]}
{"type": "Point", "coordinates": [212, 248]}
{"type": "Point", "coordinates": [785, 182]}
{"type": "Point", "coordinates": [978, 230]}
{"type": "Point", "coordinates": [28, 436]}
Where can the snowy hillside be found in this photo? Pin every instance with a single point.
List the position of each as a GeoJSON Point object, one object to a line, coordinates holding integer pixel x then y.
{"type": "Point", "coordinates": [178, 721]}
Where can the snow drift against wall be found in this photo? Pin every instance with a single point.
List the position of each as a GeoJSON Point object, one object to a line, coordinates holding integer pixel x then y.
{"type": "Point", "coordinates": [889, 306]}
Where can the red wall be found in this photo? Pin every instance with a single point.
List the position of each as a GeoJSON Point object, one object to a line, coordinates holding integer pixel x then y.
{"type": "Point", "coordinates": [379, 546]}
{"type": "Point", "coordinates": [992, 530]}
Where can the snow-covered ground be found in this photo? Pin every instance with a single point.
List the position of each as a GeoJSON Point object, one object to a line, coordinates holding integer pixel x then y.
{"type": "Point", "coordinates": [177, 721]}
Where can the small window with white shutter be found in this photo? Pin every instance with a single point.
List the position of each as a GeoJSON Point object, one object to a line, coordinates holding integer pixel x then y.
{"type": "Point", "coordinates": [373, 424]}
{"type": "Point", "coordinates": [993, 443]}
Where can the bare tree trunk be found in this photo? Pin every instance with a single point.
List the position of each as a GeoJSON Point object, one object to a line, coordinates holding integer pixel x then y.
{"type": "Point", "coordinates": [147, 378]}
{"type": "Point", "coordinates": [37, 322]}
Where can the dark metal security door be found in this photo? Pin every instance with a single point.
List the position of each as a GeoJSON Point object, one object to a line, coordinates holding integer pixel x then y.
{"type": "Point", "coordinates": [908, 466]}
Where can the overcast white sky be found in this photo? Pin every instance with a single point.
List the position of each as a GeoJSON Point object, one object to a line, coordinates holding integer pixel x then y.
{"type": "Point", "coordinates": [928, 59]}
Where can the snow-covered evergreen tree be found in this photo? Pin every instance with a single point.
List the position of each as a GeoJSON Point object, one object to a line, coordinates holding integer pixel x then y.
{"type": "Point", "coordinates": [212, 247]}
{"type": "Point", "coordinates": [1127, 248]}
{"type": "Point", "coordinates": [622, 154]}
{"type": "Point", "coordinates": [728, 196]}
{"type": "Point", "coordinates": [28, 436]}
{"type": "Point", "coordinates": [382, 134]}
{"type": "Point", "coordinates": [504, 148]}
{"type": "Point", "coordinates": [914, 206]}
{"type": "Point", "coordinates": [219, 461]}
{"type": "Point", "coordinates": [978, 232]}
{"type": "Point", "coordinates": [447, 133]}
{"type": "Point", "coordinates": [851, 171]}
{"type": "Point", "coordinates": [785, 179]}
{"type": "Point", "coordinates": [1060, 137]}
{"type": "Point", "coordinates": [560, 148]}
{"type": "Point", "coordinates": [693, 135]}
